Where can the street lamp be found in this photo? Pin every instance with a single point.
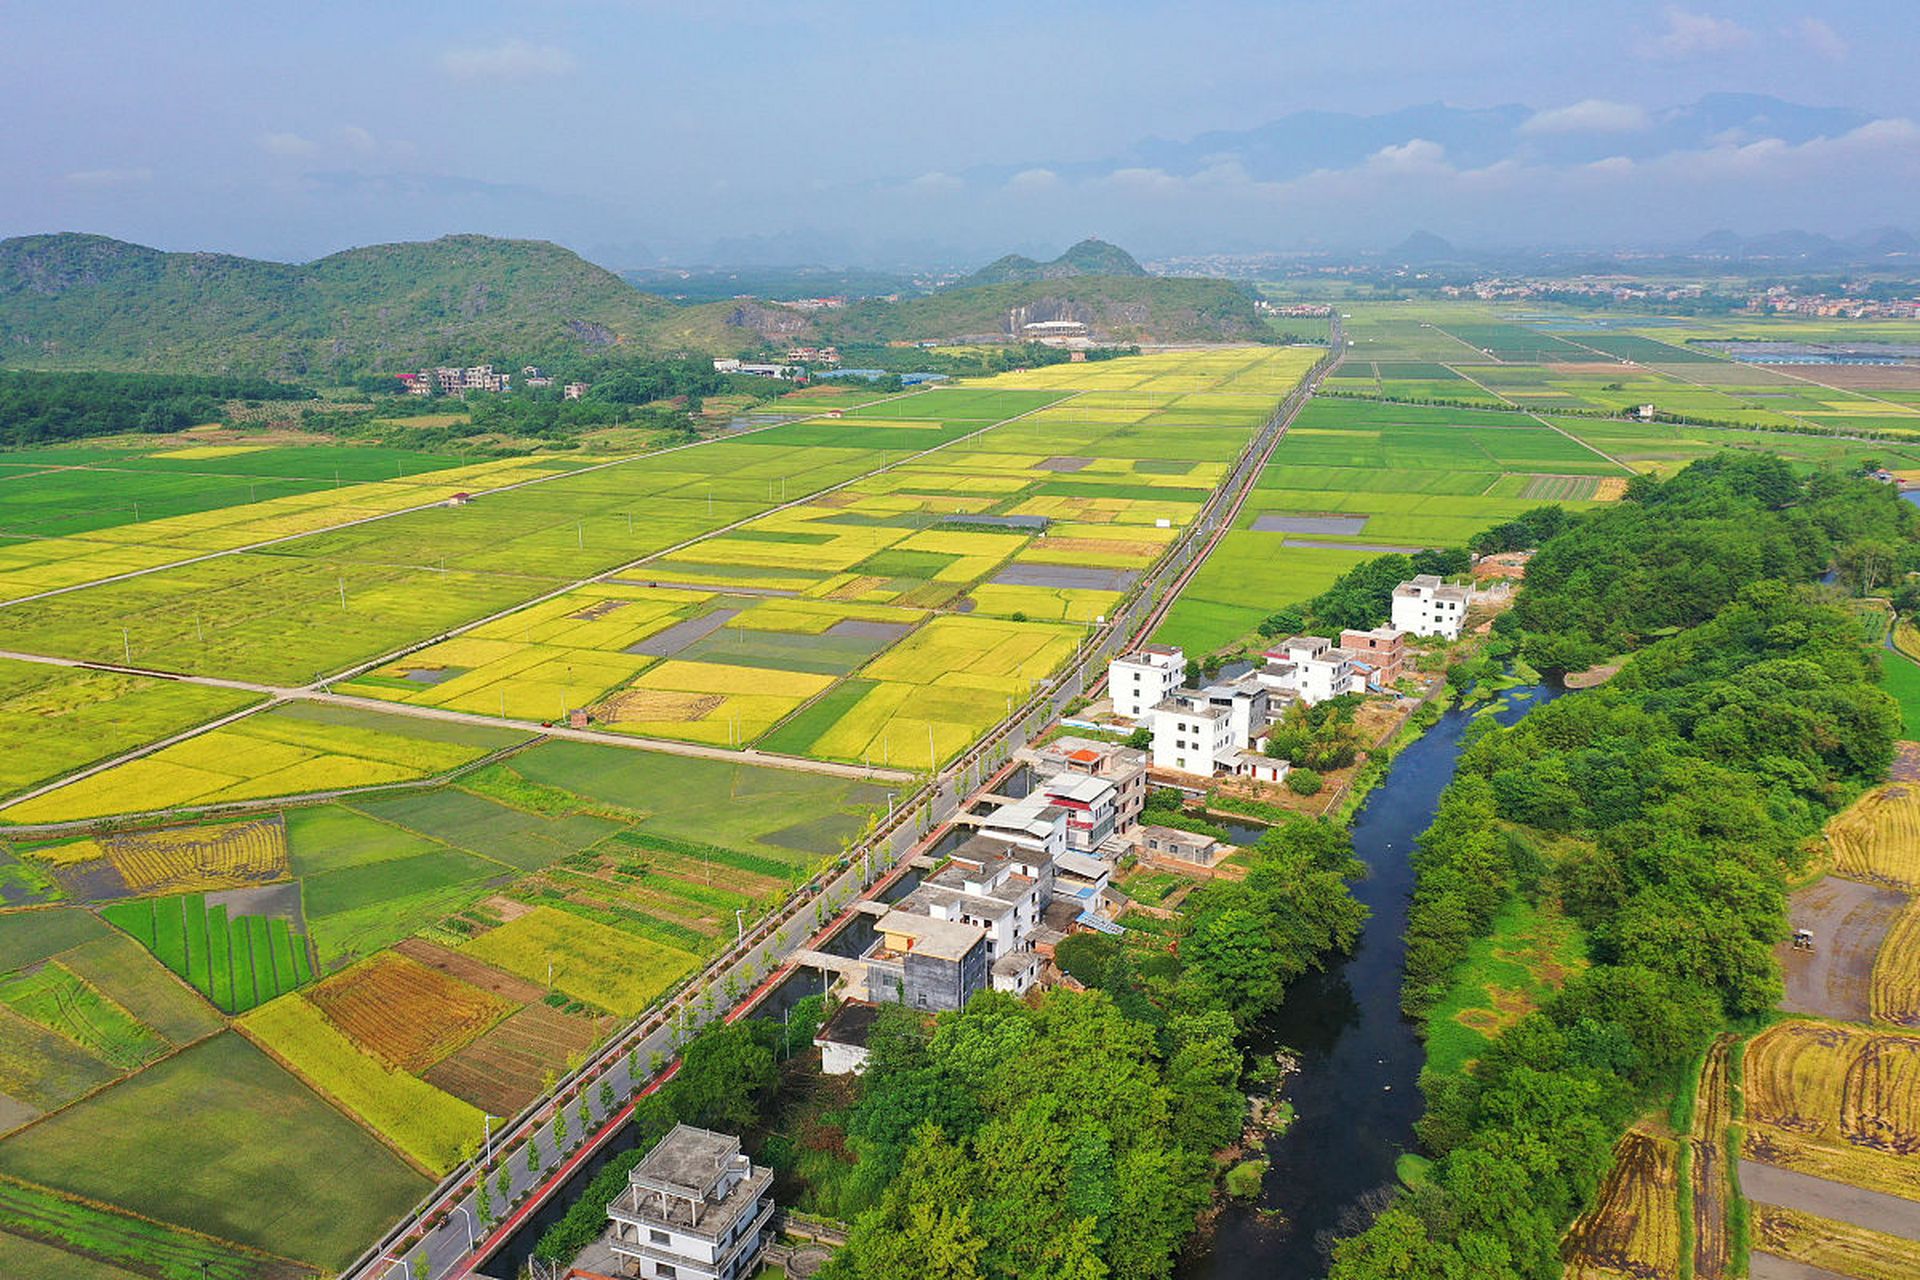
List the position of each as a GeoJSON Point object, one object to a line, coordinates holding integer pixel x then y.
{"type": "Point", "coordinates": [740, 921]}
{"type": "Point", "coordinates": [467, 1215]}
{"type": "Point", "coordinates": [406, 1268]}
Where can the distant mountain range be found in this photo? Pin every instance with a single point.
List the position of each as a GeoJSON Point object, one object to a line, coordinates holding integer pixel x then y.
{"type": "Point", "coordinates": [1088, 258]}
{"type": "Point", "coordinates": [88, 301]}
{"type": "Point", "coordinates": [85, 301]}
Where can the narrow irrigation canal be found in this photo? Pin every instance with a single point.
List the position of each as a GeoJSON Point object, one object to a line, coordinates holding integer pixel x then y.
{"type": "Point", "coordinates": [1354, 1097]}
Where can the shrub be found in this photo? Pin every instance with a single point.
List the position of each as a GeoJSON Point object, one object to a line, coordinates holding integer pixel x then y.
{"type": "Point", "coordinates": [1303, 782]}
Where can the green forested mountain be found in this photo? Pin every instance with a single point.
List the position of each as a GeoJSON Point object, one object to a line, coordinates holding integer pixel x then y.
{"type": "Point", "coordinates": [1088, 258]}
{"type": "Point", "coordinates": [1114, 308]}
{"type": "Point", "coordinates": [89, 302]}
{"type": "Point", "coordinates": [81, 301]}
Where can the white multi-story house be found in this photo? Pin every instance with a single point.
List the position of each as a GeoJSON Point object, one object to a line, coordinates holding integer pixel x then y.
{"type": "Point", "coordinates": [1426, 606]}
{"type": "Point", "coordinates": [1311, 669]}
{"type": "Point", "coordinates": [1191, 737]}
{"type": "Point", "coordinates": [695, 1208]}
{"type": "Point", "coordinates": [1142, 680]}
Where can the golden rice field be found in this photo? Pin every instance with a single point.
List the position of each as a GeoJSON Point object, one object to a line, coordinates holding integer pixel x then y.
{"type": "Point", "coordinates": [423, 1123]}
{"type": "Point", "coordinates": [46, 563]}
{"type": "Point", "coordinates": [1896, 971]}
{"type": "Point", "coordinates": [1836, 1247]}
{"type": "Point", "coordinates": [1836, 1102]}
{"type": "Point", "coordinates": [1878, 838]}
{"type": "Point", "coordinates": [1633, 1227]}
{"type": "Point", "coordinates": [293, 749]}
{"type": "Point", "coordinates": [588, 961]}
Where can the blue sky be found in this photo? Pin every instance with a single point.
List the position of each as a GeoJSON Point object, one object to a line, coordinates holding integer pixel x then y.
{"type": "Point", "coordinates": [875, 132]}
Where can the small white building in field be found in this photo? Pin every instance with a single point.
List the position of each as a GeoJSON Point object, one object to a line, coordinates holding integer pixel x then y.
{"type": "Point", "coordinates": [1426, 606]}
{"type": "Point", "coordinates": [1140, 681]}
{"type": "Point", "coordinates": [843, 1038]}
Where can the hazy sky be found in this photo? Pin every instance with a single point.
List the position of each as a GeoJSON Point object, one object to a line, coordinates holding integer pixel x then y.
{"type": "Point", "coordinates": [847, 131]}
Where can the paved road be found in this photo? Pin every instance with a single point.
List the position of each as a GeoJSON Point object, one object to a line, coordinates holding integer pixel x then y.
{"type": "Point", "coordinates": [1874, 1210]}
{"type": "Point", "coordinates": [1765, 1266]}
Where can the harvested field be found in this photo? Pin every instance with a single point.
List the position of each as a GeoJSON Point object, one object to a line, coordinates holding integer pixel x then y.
{"type": "Point", "coordinates": [182, 859]}
{"type": "Point", "coordinates": [1830, 1247]}
{"type": "Point", "coordinates": [1878, 839]}
{"type": "Point", "coordinates": [501, 1072]}
{"type": "Point", "coordinates": [464, 967]}
{"type": "Point", "coordinates": [1896, 971]}
{"type": "Point", "coordinates": [1837, 1103]}
{"type": "Point", "coordinates": [1849, 921]}
{"type": "Point", "coordinates": [1707, 1137]}
{"type": "Point", "coordinates": [655, 705]}
{"type": "Point", "coordinates": [1632, 1229]}
{"type": "Point", "coordinates": [406, 1013]}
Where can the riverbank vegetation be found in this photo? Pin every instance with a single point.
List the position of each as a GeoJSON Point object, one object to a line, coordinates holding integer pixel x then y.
{"type": "Point", "coordinates": [1663, 812]}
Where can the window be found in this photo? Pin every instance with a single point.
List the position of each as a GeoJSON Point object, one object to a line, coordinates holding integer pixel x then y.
{"type": "Point", "coordinates": [658, 1237]}
{"type": "Point", "coordinates": [666, 1271]}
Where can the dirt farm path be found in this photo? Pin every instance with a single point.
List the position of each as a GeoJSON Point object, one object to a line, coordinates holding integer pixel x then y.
{"type": "Point", "coordinates": [1849, 921]}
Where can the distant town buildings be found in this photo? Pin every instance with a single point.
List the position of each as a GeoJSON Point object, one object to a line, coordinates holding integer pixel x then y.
{"type": "Point", "coordinates": [694, 1208]}
{"type": "Point", "coordinates": [815, 304]}
{"type": "Point", "coordinates": [751, 369]}
{"type": "Point", "coordinates": [451, 381]}
{"type": "Point", "coordinates": [573, 391]}
{"type": "Point", "coordinates": [814, 355]}
{"type": "Point", "coordinates": [1425, 606]}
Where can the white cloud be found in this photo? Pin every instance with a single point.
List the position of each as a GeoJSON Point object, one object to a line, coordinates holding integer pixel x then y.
{"type": "Point", "coordinates": [287, 144]}
{"type": "Point", "coordinates": [1822, 39]}
{"type": "Point", "coordinates": [509, 60]}
{"type": "Point", "coordinates": [1593, 115]}
{"type": "Point", "coordinates": [108, 177]}
{"type": "Point", "coordinates": [936, 181]}
{"type": "Point", "coordinates": [1033, 180]}
{"type": "Point", "coordinates": [1692, 35]}
{"type": "Point", "coordinates": [1413, 154]}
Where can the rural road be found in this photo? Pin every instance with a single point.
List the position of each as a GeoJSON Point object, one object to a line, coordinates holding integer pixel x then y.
{"type": "Point", "coordinates": [1874, 1210]}
{"type": "Point", "coordinates": [1765, 1266]}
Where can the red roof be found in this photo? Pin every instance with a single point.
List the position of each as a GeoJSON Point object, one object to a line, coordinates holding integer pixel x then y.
{"type": "Point", "coordinates": [1085, 755]}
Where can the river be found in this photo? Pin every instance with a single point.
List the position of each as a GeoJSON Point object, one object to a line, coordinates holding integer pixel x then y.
{"type": "Point", "coordinates": [1354, 1097]}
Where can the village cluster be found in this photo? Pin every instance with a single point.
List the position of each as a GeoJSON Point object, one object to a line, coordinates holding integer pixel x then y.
{"type": "Point", "coordinates": [1040, 867]}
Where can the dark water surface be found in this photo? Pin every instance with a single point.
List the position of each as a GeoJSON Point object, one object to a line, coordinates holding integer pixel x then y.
{"type": "Point", "coordinates": [1354, 1096]}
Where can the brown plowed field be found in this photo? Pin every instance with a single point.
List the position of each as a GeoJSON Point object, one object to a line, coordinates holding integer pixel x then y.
{"type": "Point", "coordinates": [501, 1072]}
{"type": "Point", "coordinates": [404, 1012]}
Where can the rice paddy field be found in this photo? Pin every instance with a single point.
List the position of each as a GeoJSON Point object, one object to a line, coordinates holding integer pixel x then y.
{"type": "Point", "coordinates": [893, 620]}
{"type": "Point", "coordinates": [287, 750]}
{"type": "Point", "coordinates": [383, 960]}
{"type": "Point", "coordinates": [1447, 418]}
